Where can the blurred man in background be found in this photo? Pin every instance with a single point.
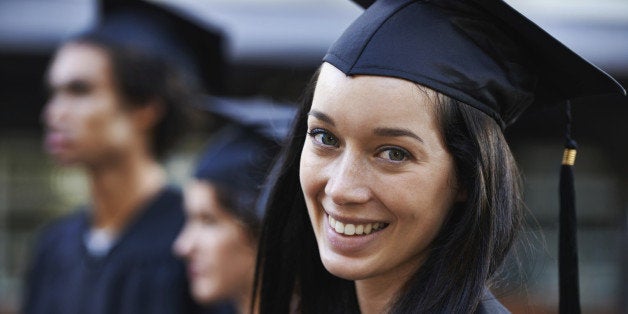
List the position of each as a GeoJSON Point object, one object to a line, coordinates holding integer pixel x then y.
{"type": "Point", "coordinates": [117, 99]}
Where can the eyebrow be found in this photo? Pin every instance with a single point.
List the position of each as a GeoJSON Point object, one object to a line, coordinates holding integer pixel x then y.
{"type": "Point", "coordinates": [321, 116]}
{"type": "Point", "coordinates": [387, 132]}
{"type": "Point", "coordinates": [67, 84]}
{"type": "Point", "coordinates": [395, 132]}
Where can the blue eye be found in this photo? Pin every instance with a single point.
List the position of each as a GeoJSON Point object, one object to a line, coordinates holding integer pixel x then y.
{"type": "Point", "coordinates": [323, 137]}
{"type": "Point", "coordinates": [394, 154]}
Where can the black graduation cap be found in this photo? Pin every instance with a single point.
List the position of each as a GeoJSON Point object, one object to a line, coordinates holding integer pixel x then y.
{"type": "Point", "coordinates": [241, 154]}
{"type": "Point", "coordinates": [166, 32]}
{"type": "Point", "coordinates": [487, 55]}
{"type": "Point", "coordinates": [269, 118]}
{"type": "Point", "coordinates": [480, 52]}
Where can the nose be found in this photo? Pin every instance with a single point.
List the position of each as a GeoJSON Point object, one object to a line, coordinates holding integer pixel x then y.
{"type": "Point", "coordinates": [184, 243]}
{"type": "Point", "coordinates": [348, 180]}
{"type": "Point", "coordinates": [53, 112]}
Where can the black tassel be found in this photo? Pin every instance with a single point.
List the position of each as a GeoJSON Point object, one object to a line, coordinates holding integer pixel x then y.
{"type": "Point", "coordinates": [569, 291]}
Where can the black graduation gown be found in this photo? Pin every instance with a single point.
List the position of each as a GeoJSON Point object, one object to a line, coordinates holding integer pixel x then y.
{"type": "Point", "coordinates": [138, 275]}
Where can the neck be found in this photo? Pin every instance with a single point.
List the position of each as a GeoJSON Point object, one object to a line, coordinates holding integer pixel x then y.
{"type": "Point", "coordinates": [243, 303]}
{"type": "Point", "coordinates": [377, 294]}
{"type": "Point", "coordinates": [120, 188]}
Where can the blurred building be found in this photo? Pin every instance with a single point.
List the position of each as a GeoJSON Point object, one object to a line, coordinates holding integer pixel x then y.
{"type": "Point", "coordinates": [273, 46]}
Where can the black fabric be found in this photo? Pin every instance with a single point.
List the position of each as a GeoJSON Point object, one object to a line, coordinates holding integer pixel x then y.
{"type": "Point", "coordinates": [164, 31]}
{"type": "Point", "coordinates": [138, 275]}
{"type": "Point", "coordinates": [240, 155]}
{"type": "Point", "coordinates": [569, 291]}
{"type": "Point", "coordinates": [238, 159]}
{"type": "Point", "coordinates": [265, 117]}
{"type": "Point", "coordinates": [480, 52]}
{"type": "Point", "coordinates": [569, 285]}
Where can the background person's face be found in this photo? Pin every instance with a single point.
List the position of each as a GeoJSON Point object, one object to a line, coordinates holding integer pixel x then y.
{"type": "Point", "coordinates": [220, 255]}
{"type": "Point", "coordinates": [377, 179]}
{"type": "Point", "coordinates": [83, 117]}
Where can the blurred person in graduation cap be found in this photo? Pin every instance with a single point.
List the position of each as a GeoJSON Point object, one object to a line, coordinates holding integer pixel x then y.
{"type": "Point", "coordinates": [224, 201]}
{"type": "Point", "coordinates": [117, 105]}
{"type": "Point", "coordinates": [398, 192]}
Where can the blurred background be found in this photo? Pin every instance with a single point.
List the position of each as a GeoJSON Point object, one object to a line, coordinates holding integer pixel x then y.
{"type": "Point", "coordinates": [273, 47]}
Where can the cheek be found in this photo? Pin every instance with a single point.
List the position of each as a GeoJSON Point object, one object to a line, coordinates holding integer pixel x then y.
{"type": "Point", "coordinates": [206, 244]}
{"type": "Point", "coordinates": [312, 176]}
{"type": "Point", "coordinates": [308, 173]}
{"type": "Point", "coordinates": [229, 250]}
{"type": "Point", "coordinates": [110, 129]}
{"type": "Point", "coordinates": [98, 110]}
{"type": "Point", "coordinates": [119, 130]}
{"type": "Point", "coordinates": [423, 197]}
{"type": "Point", "coordinates": [233, 264]}
{"type": "Point", "coordinates": [88, 119]}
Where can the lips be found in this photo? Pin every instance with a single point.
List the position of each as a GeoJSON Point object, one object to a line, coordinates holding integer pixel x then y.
{"type": "Point", "coordinates": [56, 141]}
{"type": "Point", "coordinates": [194, 270]}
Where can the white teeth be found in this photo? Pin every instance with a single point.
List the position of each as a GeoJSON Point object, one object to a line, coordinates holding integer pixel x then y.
{"type": "Point", "coordinates": [359, 229]}
{"type": "Point", "coordinates": [352, 229]}
{"type": "Point", "coordinates": [340, 227]}
{"type": "Point", "coordinates": [349, 229]}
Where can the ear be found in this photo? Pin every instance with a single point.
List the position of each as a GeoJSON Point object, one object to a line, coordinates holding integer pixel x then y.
{"type": "Point", "coordinates": [147, 116]}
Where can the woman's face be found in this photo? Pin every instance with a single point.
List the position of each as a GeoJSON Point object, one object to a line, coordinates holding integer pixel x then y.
{"type": "Point", "coordinates": [377, 179]}
{"type": "Point", "coordinates": [219, 253]}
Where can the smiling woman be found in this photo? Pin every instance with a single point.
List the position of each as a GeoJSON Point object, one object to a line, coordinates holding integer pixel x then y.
{"type": "Point", "coordinates": [393, 187]}
{"type": "Point", "coordinates": [398, 192]}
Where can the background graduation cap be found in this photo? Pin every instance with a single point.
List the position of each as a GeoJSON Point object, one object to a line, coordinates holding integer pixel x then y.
{"type": "Point", "coordinates": [165, 32]}
{"type": "Point", "coordinates": [240, 155]}
{"type": "Point", "coordinates": [487, 55]}
{"type": "Point", "coordinates": [271, 119]}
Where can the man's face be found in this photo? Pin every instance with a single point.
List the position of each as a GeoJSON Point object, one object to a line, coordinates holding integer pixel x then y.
{"type": "Point", "coordinates": [84, 118]}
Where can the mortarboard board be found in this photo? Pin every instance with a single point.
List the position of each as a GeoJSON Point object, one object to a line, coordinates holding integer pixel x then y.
{"type": "Point", "coordinates": [241, 154]}
{"type": "Point", "coordinates": [272, 120]}
{"type": "Point", "coordinates": [486, 55]}
{"type": "Point", "coordinates": [165, 32]}
{"type": "Point", "coordinates": [480, 52]}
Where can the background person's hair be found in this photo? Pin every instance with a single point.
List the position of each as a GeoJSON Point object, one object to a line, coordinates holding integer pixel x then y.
{"type": "Point", "coordinates": [142, 77]}
{"type": "Point", "coordinates": [241, 207]}
{"type": "Point", "coordinates": [463, 259]}
{"type": "Point", "coordinates": [242, 204]}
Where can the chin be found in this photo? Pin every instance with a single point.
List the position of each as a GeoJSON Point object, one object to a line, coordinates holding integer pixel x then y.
{"type": "Point", "coordinates": [347, 272]}
{"type": "Point", "coordinates": [64, 160]}
{"type": "Point", "coordinates": [202, 295]}
{"type": "Point", "coordinates": [63, 156]}
{"type": "Point", "coordinates": [345, 268]}
{"type": "Point", "coordinates": [344, 272]}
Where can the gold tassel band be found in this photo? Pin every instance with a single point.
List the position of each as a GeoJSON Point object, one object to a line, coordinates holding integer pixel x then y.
{"type": "Point", "coordinates": [569, 157]}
